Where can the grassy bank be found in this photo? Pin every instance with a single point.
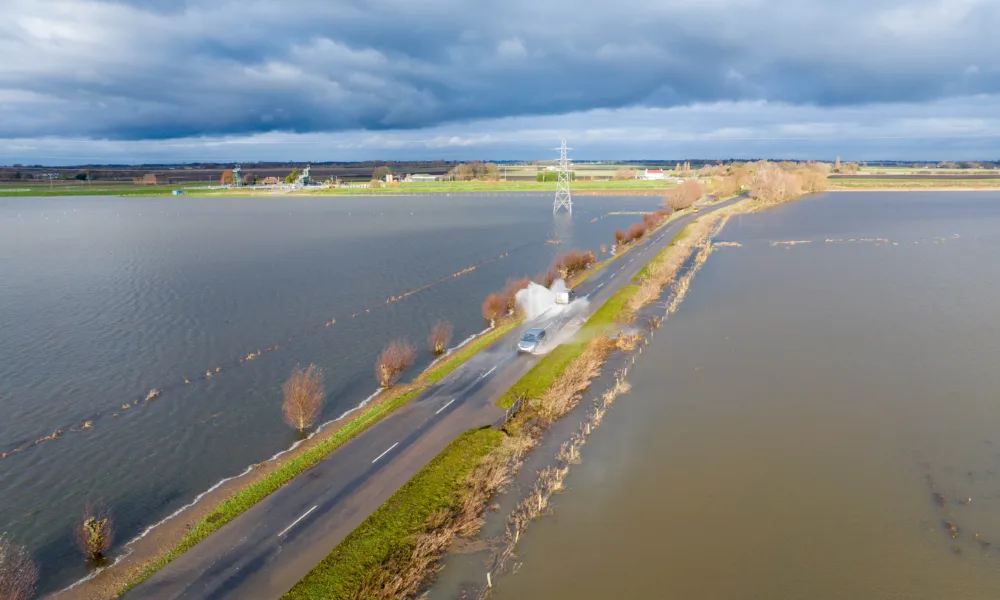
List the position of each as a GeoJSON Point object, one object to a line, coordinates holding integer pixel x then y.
{"type": "Point", "coordinates": [392, 529]}
{"type": "Point", "coordinates": [251, 494]}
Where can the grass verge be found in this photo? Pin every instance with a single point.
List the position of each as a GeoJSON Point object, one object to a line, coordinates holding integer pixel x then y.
{"type": "Point", "coordinates": [391, 530]}
{"type": "Point", "coordinates": [451, 362]}
{"type": "Point", "coordinates": [246, 497]}
{"type": "Point", "coordinates": [253, 493]}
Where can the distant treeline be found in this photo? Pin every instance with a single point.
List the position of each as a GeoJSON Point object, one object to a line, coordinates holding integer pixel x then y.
{"type": "Point", "coordinates": [553, 176]}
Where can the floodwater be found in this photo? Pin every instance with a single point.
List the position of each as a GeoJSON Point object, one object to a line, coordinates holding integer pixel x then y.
{"type": "Point", "coordinates": [103, 299]}
{"type": "Point", "coordinates": [810, 424]}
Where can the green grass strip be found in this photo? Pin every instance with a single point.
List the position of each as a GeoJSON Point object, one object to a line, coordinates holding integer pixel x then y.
{"type": "Point", "coordinates": [540, 378]}
{"type": "Point", "coordinates": [257, 491]}
{"type": "Point", "coordinates": [451, 362]}
{"type": "Point", "coordinates": [661, 256]}
{"type": "Point", "coordinates": [390, 530]}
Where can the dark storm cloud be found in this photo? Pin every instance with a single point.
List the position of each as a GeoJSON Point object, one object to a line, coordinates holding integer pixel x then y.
{"type": "Point", "coordinates": [156, 70]}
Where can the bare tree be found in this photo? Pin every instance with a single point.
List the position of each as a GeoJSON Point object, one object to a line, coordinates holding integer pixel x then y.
{"type": "Point", "coordinates": [684, 195]}
{"type": "Point", "coordinates": [510, 292]}
{"type": "Point", "coordinates": [624, 174]}
{"type": "Point", "coordinates": [18, 573]}
{"type": "Point", "coordinates": [396, 358]}
{"type": "Point", "coordinates": [572, 262]}
{"type": "Point", "coordinates": [493, 306]}
{"type": "Point", "coordinates": [303, 394]}
{"type": "Point", "coordinates": [94, 532]}
{"type": "Point", "coordinates": [440, 336]}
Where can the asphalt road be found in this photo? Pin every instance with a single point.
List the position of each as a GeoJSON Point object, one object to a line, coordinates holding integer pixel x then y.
{"type": "Point", "coordinates": [262, 553]}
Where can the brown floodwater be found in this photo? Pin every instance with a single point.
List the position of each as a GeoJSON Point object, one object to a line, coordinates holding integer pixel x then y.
{"type": "Point", "coordinates": [817, 421]}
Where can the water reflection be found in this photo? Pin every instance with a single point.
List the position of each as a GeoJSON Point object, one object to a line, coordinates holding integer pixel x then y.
{"type": "Point", "coordinates": [817, 421]}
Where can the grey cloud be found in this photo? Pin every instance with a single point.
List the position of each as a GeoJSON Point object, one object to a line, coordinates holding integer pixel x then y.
{"type": "Point", "coordinates": [750, 129]}
{"type": "Point", "coordinates": [166, 70]}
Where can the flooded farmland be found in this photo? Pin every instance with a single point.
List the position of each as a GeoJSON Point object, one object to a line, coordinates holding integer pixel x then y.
{"type": "Point", "coordinates": [820, 419]}
{"type": "Point", "coordinates": [212, 301]}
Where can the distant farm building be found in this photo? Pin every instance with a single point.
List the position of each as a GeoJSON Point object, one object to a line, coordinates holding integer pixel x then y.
{"type": "Point", "coordinates": [422, 177]}
{"type": "Point", "coordinates": [150, 179]}
{"type": "Point", "coordinates": [653, 174]}
{"type": "Point", "coordinates": [272, 180]}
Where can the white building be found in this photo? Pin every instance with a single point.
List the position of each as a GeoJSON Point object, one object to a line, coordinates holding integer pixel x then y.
{"type": "Point", "coordinates": [423, 177]}
{"type": "Point", "coordinates": [653, 174]}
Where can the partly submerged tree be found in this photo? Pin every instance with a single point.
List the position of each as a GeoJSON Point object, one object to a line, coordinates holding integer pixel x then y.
{"type": "Point", "coordinates": [303, 397]}
{"type": "Point", "coordinates": [18, 573]}
{"type": "Point", "coordinates": [396, 358]}
{"type": "Point", "coordinates": [493, 307]}
{"type": "Point", "coordinates": [440, 337]}
{"type": "Point", "coordinates": [94, 533]}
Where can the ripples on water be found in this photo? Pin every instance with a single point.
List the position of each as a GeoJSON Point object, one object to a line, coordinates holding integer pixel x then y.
{"type": "Point", "coordinates": [810, 424]}
{"type": "Point", "coordinates": [104, 299]}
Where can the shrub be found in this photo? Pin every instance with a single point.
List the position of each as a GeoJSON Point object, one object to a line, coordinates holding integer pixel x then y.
{"type": "Point", "coordinates": [573, 262]}
{"type": "Point", "coordinates": [636, 231]}
{"type": "Point", "coordinates": [94, 533]}
{"type": "Point", "coordinates": [621, 238]}
{"type": "Point", "coordinates": [18, 573]}
{"type": "Point", "coordinates": [397, 357]}
{"type": "Point", "coordinates": [650, 220]}
{"type": "Point", "coordinates": [510, 292]}
{"type": "Point", "coordinates": [685, 195]}
{"type": "Point", "coordinates": [440, 337]}
{"type": "Point", "coordinates": [493, 307]}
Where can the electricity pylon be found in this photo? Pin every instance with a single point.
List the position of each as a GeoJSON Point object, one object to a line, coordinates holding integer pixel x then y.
{"type": "Point", "coordinates": [563, 197]}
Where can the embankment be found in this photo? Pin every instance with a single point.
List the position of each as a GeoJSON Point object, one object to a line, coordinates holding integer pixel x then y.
{"type": "Point", "coordinates": [160, 543]}
{"type": "Point", "coordinates": [392, 557]}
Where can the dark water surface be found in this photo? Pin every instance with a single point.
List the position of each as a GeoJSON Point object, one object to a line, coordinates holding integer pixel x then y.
{"type": "Point", "coordinates": [102, 299]}
{"type": "Point", "coordinates": [789, 427]}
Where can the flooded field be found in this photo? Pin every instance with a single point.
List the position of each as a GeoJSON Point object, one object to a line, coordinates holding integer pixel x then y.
{"type": "Point", "coordinates": [819, 420]}
{"type": "Point", "coordinates": [213, 301]}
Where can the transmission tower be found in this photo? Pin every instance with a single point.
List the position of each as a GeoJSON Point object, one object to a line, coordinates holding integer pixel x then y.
{"type": "Point", "coordinates": [563, 197]}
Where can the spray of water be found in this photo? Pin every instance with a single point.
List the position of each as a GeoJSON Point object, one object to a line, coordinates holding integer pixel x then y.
{"type": "Point", "coordinates": [560, 321]}
{"type": "Point", "coordinates": [537, 300]}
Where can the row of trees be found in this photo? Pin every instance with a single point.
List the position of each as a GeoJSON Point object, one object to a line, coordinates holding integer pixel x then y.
{"type": "Point", "coordinates": [774, 183]}
{"type": "Point", "coordinates": [474, 171]}
{"type": "Point", "coordinates": [303, 393]}
{"type": "Point", "coordinates": [552, 176]}
{"type": "Point", "coordinates": [504, 302]}
{"type": "Point", "coordinates": [637, 231]}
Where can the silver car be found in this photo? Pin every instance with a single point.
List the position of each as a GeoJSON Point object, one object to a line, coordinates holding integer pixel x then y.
{"type": "Point", "coordinates": [531, 341]}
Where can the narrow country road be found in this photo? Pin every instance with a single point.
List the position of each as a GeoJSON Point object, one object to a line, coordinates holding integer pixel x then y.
{"type": "Point", "coordinates": [266, 550]}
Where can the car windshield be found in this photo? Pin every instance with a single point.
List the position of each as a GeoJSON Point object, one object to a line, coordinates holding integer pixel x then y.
{"type": "Point", "coordinates": [528, 337]}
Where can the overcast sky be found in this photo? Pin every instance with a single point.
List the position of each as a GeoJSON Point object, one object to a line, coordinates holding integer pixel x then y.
{"type": "Point", "coordinates": [313, 80]}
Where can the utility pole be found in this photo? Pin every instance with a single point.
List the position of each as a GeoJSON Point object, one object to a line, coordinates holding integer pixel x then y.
{"type": "Point", "coordinates": [563, 197]}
